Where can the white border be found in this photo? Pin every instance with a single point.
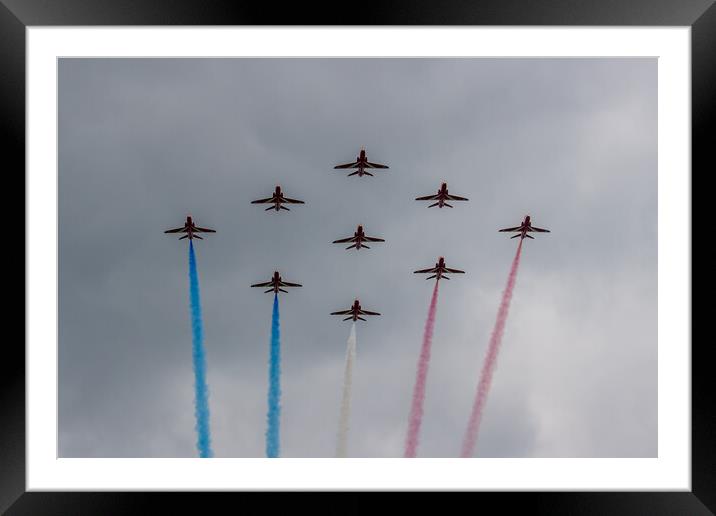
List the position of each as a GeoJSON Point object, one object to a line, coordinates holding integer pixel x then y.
{"type": "Point", "coordinates": [670, 471]}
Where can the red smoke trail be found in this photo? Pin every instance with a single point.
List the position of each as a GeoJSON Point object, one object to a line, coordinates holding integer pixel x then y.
{"type": "Point", "coordinates": [488, 368]}
{"type": "Point", "coordinates": [416, 410]}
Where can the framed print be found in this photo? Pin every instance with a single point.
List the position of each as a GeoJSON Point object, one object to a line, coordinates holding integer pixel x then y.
{"type": "Point", "coordinates": [419, 250]}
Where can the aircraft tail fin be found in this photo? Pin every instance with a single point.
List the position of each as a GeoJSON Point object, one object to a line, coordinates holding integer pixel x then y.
{"type": "Point", "coordinates": [284, 208]}
{"type": "Point", "coordinates": [352, 246]}
{"type": "Point", "coordinates": [434, 204]}
{"type": "Point", "coordinates": [282, 290]}
{"type": "Point", "coordinates": [352, 173]}
{"type": "Point", "coordinates": [518, 234]}
{"type": "Point", "coordinates": [431, 277]}
{"type": "Point", "coordinates": [448, 205]}
{"type": "Point", "coordinates": [185, 236]}
{"type": "Point", "coordinates": [197, 236]}
{"type": "Point", "coordinates": [267, 291]}
{"type": "Point", "coordinates": [361, 318]}
{"type": "Point", "coordinates": [367, 173]}
{"type": "Point", "coordinates": [348, 318]}
{"type": "Point", "coordinates": [529, 236]}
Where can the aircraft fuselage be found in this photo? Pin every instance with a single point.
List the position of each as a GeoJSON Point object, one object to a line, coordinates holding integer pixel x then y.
{"type": "Point", "coordinates": [190, 227]}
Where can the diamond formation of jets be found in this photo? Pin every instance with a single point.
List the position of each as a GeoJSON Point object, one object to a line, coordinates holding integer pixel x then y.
{"type": "Point", "coordinates": [354, 312]}
{"type": "Point", "coordinates": [525, 228]}
{"type": "Point", "coordinates": [275, 284]}
{"type": "Point", "coordinates": [441, 197]}
{"type": "Point", "coordinates": [361, 163]}
{"type": "Point", "coordinates": [439, 271]}
{"type": "Point", "coordinates": [358, 238]}
{"type": "Point", "coordinates": [190, 229]}
{"type": "Point", "coordinates": [277, 199]}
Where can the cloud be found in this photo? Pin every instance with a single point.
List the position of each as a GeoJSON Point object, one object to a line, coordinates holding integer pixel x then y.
{"type": "Point", "coordinates": [144, 142]}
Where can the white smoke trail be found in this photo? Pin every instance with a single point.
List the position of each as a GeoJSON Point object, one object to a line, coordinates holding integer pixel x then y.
{"type": "Point", "coordinates": [343, 423]}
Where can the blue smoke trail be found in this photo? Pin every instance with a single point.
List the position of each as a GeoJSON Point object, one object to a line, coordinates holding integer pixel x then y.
{"type": "Point", "coordinates": [274, 395]}
{"type": "Point", "coordinates": [201, 391]}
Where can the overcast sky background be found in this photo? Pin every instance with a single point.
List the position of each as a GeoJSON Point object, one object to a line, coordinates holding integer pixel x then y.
{"type": "Point", "coordinates": [145, 142]}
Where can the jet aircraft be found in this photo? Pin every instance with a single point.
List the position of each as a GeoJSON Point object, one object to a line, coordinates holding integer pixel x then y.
{"type": "Point", "coordinates": [277, 199]}
{"type": "Point", "coordinates": [354, 312]}
{"type": "Point", "coordinates": [525, 228]}
{"type": "Point", "coordinates": [442, 196]}
{"type": "Point", "coordinates": [358, 238]}
{"type": "Point", "coordinates": [439, 271]}
{"type": "Point", "coordinates": [361, 163]}
{"type": "Point", "coordinates": [275, 284]}
{"type": "Point", "coordinates": [190, 229]}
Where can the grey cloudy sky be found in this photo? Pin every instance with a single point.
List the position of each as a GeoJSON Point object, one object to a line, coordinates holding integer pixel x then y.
{"type": "Point", "coordinates": [572, 142]}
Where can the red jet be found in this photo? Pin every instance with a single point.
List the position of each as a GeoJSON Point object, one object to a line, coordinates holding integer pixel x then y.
{"type": "Point", "coordinates": [361, 163]}
{"type": "Point", "coordinates": [439, 270]}
{"type": "Point", "coordinates": [355, 312]}
{"type": "Point", "coordinates": [189, 228]}
{"type": "Point", "coordinates": [276, 283]}
{"type": "Point", "coordinates": [358, 237]}
{"type": "Point", "coordinates": [276, 199]}
{"type": "Point", "coordinates": [525, 228]}
{"type": "Point", "coordinates": [441, 197]}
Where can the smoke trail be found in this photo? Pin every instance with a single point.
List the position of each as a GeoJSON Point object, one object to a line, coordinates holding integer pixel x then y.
{"type": "Point", "coordinates": [416, 410]}
{"type": "Point", "coordinates": [201, 391]}
{"type": "Point", "coordinates": [488, 367]}
{"type": "Point", "coordinates": [274, 394]}
{"type": "Point", "coordinates": [342, 447]}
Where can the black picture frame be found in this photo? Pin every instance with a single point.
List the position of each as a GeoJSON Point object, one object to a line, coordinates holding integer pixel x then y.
{"type": "Point", "coordinates": [16, 15]}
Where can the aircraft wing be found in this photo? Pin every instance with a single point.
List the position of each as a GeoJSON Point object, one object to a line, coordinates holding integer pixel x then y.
{"type": "Point", "coordinates": [267, 284]}
{"type": "Point", "coordinates": [454, 271]}
{"type": "Point", "coordinates": [368, 164]}
{"type": "Point", "coordinates": [372, 239]}
{"type": "Point", "coordinates": [425, 271]}
{"type": "Point", "coordinates": [516, 228]}
{"type": "Point", "coordinates": [539, 230]}
{"type": "Point", "coordinates": [344, 240]}
{"type": "Point", "coordinates": [427, 198]}
{"type": "Point", "coordinates": [342, 312]}
{"type": "Point", "coordinates": [292, 201]}
{"type": "Point", "coordinates": [348, 165]}
{"type": "Point", "coordinates": [205, 230]}
{"type": "Point", "coordinates": [177, 230]}
{"type": "Point", "coordinates": [457, 198]}
{"type": "Point", "coordinates": [262, 201]}
{"type": "Point", "coordinates": [368, 312]}
{"type": "Point", "coordinates": [287, 284]}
